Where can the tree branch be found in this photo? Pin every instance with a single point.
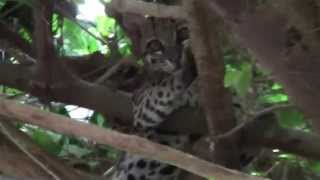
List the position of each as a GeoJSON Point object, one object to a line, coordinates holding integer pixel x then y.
{"type": "Point", "coordinates": [214, 97]}
{"type": "Point", "coordinates": [265, 131]}
{"type": "Point", "coordinates": [131, 144]}
{"type": "Point", "coordinates": [81, 93]}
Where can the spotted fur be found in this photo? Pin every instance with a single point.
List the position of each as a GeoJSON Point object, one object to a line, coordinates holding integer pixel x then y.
{"type": "Point", "coordinates": [152, 104]}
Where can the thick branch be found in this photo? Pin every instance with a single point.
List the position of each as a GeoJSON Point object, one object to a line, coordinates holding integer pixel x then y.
{"type": "Point", "coordinates": [47, 68]}
{"type": "Point", "coordinates": [100, 98]}
{"type": "Point", "coordinates": [278, 47]}
{"type": "Point", "coordinates": [132, 144]}
{"type": "Point", "coordinates": [213, 95]}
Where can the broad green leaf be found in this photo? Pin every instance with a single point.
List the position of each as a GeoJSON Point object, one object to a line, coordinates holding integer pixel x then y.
{"type": "Point", "coordinates": [290, 118]}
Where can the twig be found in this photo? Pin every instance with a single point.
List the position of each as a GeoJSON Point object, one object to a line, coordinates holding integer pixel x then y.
{"type": "Point", "coordinates": [132, 144]}
{"type": "Point", "coordinates": [238, 128]}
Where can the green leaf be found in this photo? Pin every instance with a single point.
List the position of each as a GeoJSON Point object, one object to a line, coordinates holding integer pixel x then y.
{"type": "Point", "coordinates": [105, 25]}
{"type": "Point", "coordinates": [77, 41]}
{"type": "Point", "coordinates": [315, 166]}
{"type": "Point", "coordinates": [290, 118]}
{"type": "Point", "coordinates": [76, 150]}
{"type": "Point", "coordinates": [124, 46]}
{"type": "Point", "coordinates": [276, 86]}
{"type": "Point", "coordinates": [212, 178]}
{"type": "Point", "coordinates": [25, 35]}
{"type": "Point", "coordinates": [244, 79]}
{"type": "Point", "coordinates": [98, 119]}
{"type": "Point", "coordinates": [230, 76]}
{"type": "Point", "coordinates": [239, 80]}
{"type": "Point", "coordinates": [55, 22]}
{"type": "Point", "coordinates": [2, 3]}
{"type": "Point", "coordinates": [287, 156]}
{"type": "Point", "coordinates": [274, 98]}
{"type": "Point", "coordinates": [46, 140]}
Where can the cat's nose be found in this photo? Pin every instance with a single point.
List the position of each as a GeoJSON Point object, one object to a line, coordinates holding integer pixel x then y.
{"type": "Point", "coordinates": [169, 67]}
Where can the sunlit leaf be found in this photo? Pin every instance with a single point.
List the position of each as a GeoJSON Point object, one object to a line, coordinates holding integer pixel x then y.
{"type": "Point", "coordinates": [287, 156]}
{"type": "Point", "coordinates": [239, 79]}
{"type": "Point", "coordinates": [276, 86]}
{"type": "Point", "coordinates": [25, 35]}
{"type": "Point", "coordinates": [274, 98]}
{"type": "Point", "coordinates": [48, 141]}
{"type": "Point", "coordinates": [105, 25]}
{"type": "Point", "coordinates": [77, 41]}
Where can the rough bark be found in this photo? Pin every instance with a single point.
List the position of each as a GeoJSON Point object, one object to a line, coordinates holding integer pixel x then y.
{"type": "Point", "coordinates": [213, 95]}
{"type": "Point", "coordinates": [131, 144]}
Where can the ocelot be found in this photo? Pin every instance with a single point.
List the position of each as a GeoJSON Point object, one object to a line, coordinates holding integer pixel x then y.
{"type": "Point", "coordinates": [169, 86]}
